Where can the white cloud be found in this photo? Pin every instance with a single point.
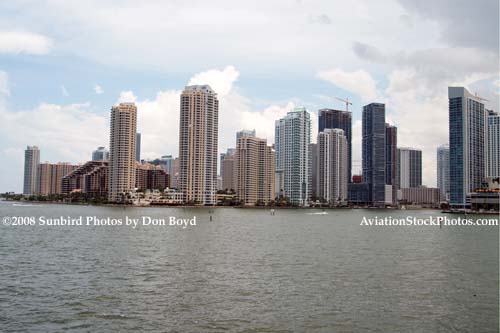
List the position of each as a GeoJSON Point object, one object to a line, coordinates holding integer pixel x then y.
{"type": "Point", "coordinates": [358, 82]}
{"type": "Point", "coordinates": [24, 42]}
{"type": "Point", "coordinates": [98, 89]}
{"type": "Point", "coordinates": [158, 119]}
{"type": "Point", "coordinates": [126, 97]}
{"type": "Point", "coordinates": [4, 84]}
{"type": "Point", "coordinates": [220, 81]}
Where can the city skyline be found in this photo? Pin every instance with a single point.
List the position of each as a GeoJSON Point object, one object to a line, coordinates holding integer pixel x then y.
{"type": "Point", "coordinates": [259, 76]}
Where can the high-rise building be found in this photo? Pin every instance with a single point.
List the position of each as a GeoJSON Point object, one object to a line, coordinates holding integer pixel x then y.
{"type": "Point", "coordinates": [228, 170]}
{"type": "Point", "coordinates": [330, 118]}
{"type": "Point", "coordinates": [493, 167]}
{"type": "Point", "coordinates": [443, 171]}
{"type": "Point", "coordinates": [100, 154]}
{"type": "Point", "coordinates": [292, 139]}
{"type": "Point", "coordinates": [410, 167]}
{"type": "Point", "coordinates": [90, 178]}
{"type": "Point", "coordinates": [50, 177]}
{"type": "Point", "coordinates": [122, 157]}
{"type": "Point", "coordinates": [174, 173]}
{"type": "Point", "coordinates": [198, 137]}
{"type": "Point", "coordinates": [468, 152]}
{"type": "Point", "coordinates": [391, 160]}
{"type": "Point", "coordinates": [151, 177]}
{"type": "Point", "coordinates": [138, 147]}
{"type": "Point", "coordinates": [313, 150]}
{"type": "Point", "coordinates": [254, 171]}
{"type": "Point", "coordinates": [332, 166]}
{"type": "Point", "coordinates": [31, 161]}
{"type": "Point", "coordinates": [373, 152]}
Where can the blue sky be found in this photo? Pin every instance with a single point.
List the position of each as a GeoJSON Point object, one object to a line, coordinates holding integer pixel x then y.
{"type": "Point", "coordinates": [262, 59]}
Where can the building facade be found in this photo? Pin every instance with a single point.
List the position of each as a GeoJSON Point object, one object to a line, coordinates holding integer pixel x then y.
{"type": "Point", "coordinates": [100, 154]}
{"type": "Point", "coordinates": [332, 166]}
{"type": "Point", "coordinates": [410, 167]}
{"type": "Point", "coordinates": [228, 170]}
{"type": "Point", "coordinates": [391, 161]}
{"type": "Point", "coordinates": [31, 162]}
{"type": "Point", "coordinates": [420, 196]}
{"type": "Point", "coordinates": [254, 171]}
{"type": "Point", "coordinates": [373, 152]}
{"type": "Point", "coordinates": [292, 139]}
{"type": "Point", "coordinates": [198, 139]}
{"type": "Point", "coordinates": [467, 142]}
{"type": "Point", "coordinates": [330, 118]}
{"type": "Point", "coordinates": [50, 177]}
{"type": "Point", "coordinates": [493, 166]}
{"type": "Point", "coordinates": [91, 178]}
{"type": "Point", "coordinates": [122, 155]}
{"type": "Point", "coordinates": [151, 177]}
{"type": "Point", "coordinates": [138, 147]}
{"type": "Point", "coordinates": [443, 171]}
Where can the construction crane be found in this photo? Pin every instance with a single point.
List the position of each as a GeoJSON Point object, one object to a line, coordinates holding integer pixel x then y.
{"type": "Point", "coordinates": [346, 101]}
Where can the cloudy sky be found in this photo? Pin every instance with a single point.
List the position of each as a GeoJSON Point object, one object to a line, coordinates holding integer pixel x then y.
{"type": "Point", "coordinates": [63, 64]}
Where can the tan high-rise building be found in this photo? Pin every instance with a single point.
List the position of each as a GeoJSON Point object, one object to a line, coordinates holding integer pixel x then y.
{"type": "Point", "coordinates": [122, 150]}
{"type": "Point", "coordinates": [50, 177]}
{"type": "Point", "coordinates": [254, 171]}
{"type": "Point", "coordinates": [332, 166]}
{"type": "Point", "coordinates": [198, 135]}
{"type": "Point", "coordinates": [228, 170]}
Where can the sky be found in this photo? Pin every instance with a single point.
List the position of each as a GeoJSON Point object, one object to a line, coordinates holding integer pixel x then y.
{"type": "Point", "coordinates": [63, 64]}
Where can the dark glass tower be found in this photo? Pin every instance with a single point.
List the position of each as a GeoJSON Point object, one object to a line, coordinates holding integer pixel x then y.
{"type": "Point", "coordinates": [391, 162]}
{"type": "Point", "coordinates": [374, 152]}
{"type": "Point", "coordinates": [329, 118]}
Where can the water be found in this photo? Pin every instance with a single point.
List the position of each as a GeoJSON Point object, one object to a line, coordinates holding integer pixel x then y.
{"type": "Point", "coordinates": [246, 271]}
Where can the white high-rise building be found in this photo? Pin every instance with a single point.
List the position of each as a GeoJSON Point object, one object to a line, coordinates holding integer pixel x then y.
{"type": "Point", "coordinates": [122, 151]}
{"type": "Point", "coordinates": [409, 167]}
{"type": "Point", "coordinates": [31, 162]}
{"type": "Point", "coordinates": [198, 139]}
{"type": "Point", "coordinates": [292, 139]}
{"type": "Point", "coordinates": [332, 166]}
{"type": "Point", "coordinates": [443, 171]}
{"type": "Point", "coordinates": [468, 145]}
{"type": "Point", "coordinates": [493, 165]}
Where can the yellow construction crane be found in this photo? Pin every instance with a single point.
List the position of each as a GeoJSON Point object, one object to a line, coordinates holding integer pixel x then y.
{"type": "Point", "coordinates": [346, 101]}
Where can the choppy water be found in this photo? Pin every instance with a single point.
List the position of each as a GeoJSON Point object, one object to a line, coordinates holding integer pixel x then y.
{"type": "Point", "coordinates": [246, 271]}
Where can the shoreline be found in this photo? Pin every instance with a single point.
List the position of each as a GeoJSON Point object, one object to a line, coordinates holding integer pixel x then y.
{"type": "Point", "coordinates": [250, 207]}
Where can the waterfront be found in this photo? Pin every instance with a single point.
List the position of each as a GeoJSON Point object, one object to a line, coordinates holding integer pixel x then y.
{"type": "Point", "coordinates": [246, 271]}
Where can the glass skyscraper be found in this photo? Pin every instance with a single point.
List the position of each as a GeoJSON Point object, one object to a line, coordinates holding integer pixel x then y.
{"type": "Point", "coordinates": [467, 141]}
{"type": "Point", "coordinates": [292, 139]}
{"type": "Point", "coordinates": [373, 152]}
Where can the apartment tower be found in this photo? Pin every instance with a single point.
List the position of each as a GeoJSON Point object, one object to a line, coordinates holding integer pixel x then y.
{"type": "Point", "coordinates": [254, 171]}
{"type": "Point", "coordinates": [332, 165]}
{"type": "Point", "coordinates": [31, 162]}
{"type": "Point", "coordinates": [292, 139]}
{"type": "Point", "coordinates": [122, 155]}
{"type": "Point", "coordinates": [198, 138]}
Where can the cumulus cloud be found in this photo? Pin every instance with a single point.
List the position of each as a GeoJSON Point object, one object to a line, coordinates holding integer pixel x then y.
{"type": "Point", "coordinates": [24, 42]}
{"type": "Point", "coordinates": [63, 133]}
{"type": "Point", "coordinates": [220, 81]}
{"type": "Point", "coordinates": [462, 23]}
{"type": "Point", "coordinates": [4, 84]}
{"type": "Point", "coordinates": [358, 82]}
{"type": "Point", "coordinates": [158, 118]}
{"type": "Point", "coordinates": [98, 89]}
